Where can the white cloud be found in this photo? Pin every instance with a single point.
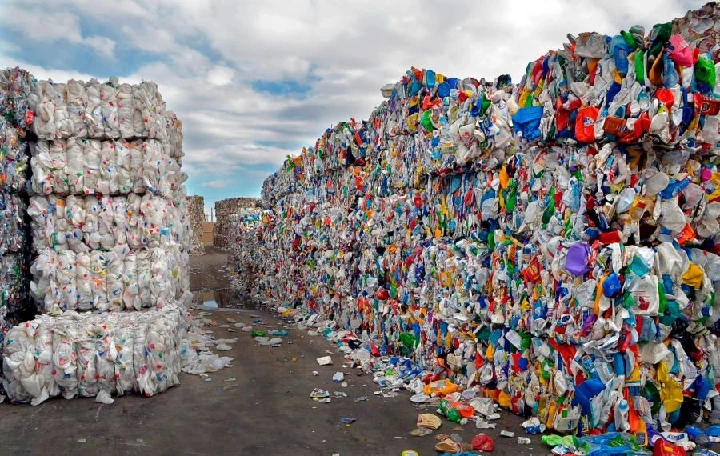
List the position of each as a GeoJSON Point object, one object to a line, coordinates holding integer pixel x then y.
{"type": "Point", "coordinates": [45, 25]}
{"type": "Point", "coordinates": [102, 45]}
{"type": "Point", "coordinates": [206, 54]}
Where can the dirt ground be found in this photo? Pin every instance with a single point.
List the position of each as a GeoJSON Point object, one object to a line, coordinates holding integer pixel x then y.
{"type": "Point", "coordinates": [259, 406]}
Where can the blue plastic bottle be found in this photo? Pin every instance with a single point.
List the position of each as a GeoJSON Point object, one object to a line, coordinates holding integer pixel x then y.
{"type": "Point", "coordinates": [620, 50]}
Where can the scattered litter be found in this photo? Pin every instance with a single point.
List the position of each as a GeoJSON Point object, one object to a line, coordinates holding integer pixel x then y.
{"type": "Point", "coordinates": [482, 442]}
{"type": "Point", "coordinates": [104, 397]}
{"type": "Point", "coordinates": [420, 398]}
{"type": "Point", "coordinates": [421, 432]}
{"type": "Point", "coordinates": [325, 361]}
{"type": "Point", "coordinates": [347, 420]}
{"type": "Point", "coordinates": [508, 434]}
{"type": "Point", "coordinates": [429, 421]}
{"type": "Point", "coordinates": [320, 395]}
{"type": "Point", "coordinates": [338, 377]}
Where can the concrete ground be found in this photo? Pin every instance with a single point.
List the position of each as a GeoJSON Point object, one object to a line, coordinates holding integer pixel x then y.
{"type": "Point", "coordinates": [259, 406]}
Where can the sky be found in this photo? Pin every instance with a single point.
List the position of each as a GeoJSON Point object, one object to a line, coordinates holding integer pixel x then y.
{"type": "Point", "coordinates": [255, 81]}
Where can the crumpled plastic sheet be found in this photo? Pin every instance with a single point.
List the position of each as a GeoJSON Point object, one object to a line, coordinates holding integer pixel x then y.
{"type": "Point", "coordinates": [119, 279]}
{"type": "Point", "coordinates": [553, 243]}
{"type": "Point", "coordinates": [97, 222]}
{"type": "Point", "coordinates": [82, 354]}
{"type": "Point", "coordinates": [197, 355]}
{"type": "Point", "coordinates": [95, 110]}
{"type": "Point", "coordinates": [88, 166]}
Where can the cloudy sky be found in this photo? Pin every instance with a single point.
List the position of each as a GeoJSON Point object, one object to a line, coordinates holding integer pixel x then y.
{"type": "Point", "coordinates": [254, 81]}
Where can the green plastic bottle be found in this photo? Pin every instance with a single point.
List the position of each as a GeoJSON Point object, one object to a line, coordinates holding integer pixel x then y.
{"type": "Point", "coordinates": [450, 412]}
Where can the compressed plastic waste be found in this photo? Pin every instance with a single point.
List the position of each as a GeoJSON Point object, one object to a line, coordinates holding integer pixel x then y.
{"type": "Point", "coordinates": [240, 234]}
{"type": "Point", "coordinates": [102, 223]}
{"type": "Point", "coordinates": [88, 166]}
{"type": "Point", "coordinates": [550, 244]}
{"type": "Point", "coordinates": [196, 215]}
{"type": "Point", "coordinates": [119, 279]}
{"type": "Point", "coordinates": [15, 115]}
{"type": "Point", "coordinates": [83, 354]}
{"type": "Point", "coordinates": [231, 215]}
{"type": "Point", "coordinates": [104, 189]}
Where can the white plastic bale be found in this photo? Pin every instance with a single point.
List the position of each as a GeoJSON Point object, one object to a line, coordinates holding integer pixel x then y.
{"type": "Point", "coordinates": [153, 165]}
{"type": "Point", "coordinates": [107, 168]}
{"type": "Point", "coordinates": [63, 122]}
{"type": "Point", "coordinates": [91, 224]}
{"type": "Point", "coordinates": [75, 165]}
{"type": "Point", "coordinates": [38, 209]}
{"type": "Point", "coordinates": [126, 178]}
{"type": "Point", "coordinates": [114, 280]}
{"type": "Point", "coordinates": [87, 349]}
{"type": "Point", "coordinates": [162, 288]}
{"type": "Point", "coordinates": [94, 115]}
{"type": "Point", "coordinates": [44, 288]}
{"type": "Point", "coordinates": [44, 123]}
{"type": "Point", "coordinates": [83, 277]}
{"type": "Point", "coordinates": [136, 166]}
{"type": "Point", "coordinates": [125, 362]}
{"type": "Point", "coordinates": [83, 354]}
{"type": "Point", "coordinates": [76, 100]}
{"type": "Point", "coordinates": [134, 227]}
{"type": "Point", "coordinates": [66, 278]}
{"type": "Point", "coordinates": [65, 344]}
{"type": "Point", "coordinates": [40, 164]}
{"type": "Point", "coordinates": [174, 135]}
{"type": "Point", "coordinates": [106, 222]}
{"type": "Point", "coordinates": [58, 166]}
{"type": "Point", "coordinates": [91, 165]}
{"type": "Point", "coordinates": [119, 229]}
{"type": "Point", "coordinates": [98, 263]}
{"type": "Point", "coordinates": [145, 278]}
{"type": "Point", "coordinates": [125, 110]}
{"type": "Point", "coordinates": [75, 214]}
{"type": "Point", "coordinates": [109, 109]}
{"type": "Point", "coordinates": [131, 300]}
{"type": "Point", "coordinates": [139, 103]}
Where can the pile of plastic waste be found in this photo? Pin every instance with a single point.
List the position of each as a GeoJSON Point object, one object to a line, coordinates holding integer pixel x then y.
{"type": "Point", "coordinates": [243, 249]}
{"type": "Point", "coordinates": [109, 230]}
{"type": "Point", "coordinates": [223, 236]}
{"type": "Point", "coordinates": [196, 213]}
{"type": "Point", "coordinates": [550, 244]}
{"type": "Point", "coordinates": [80, 354]}
{"type": "Point", "coordinates": [15, 87]}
